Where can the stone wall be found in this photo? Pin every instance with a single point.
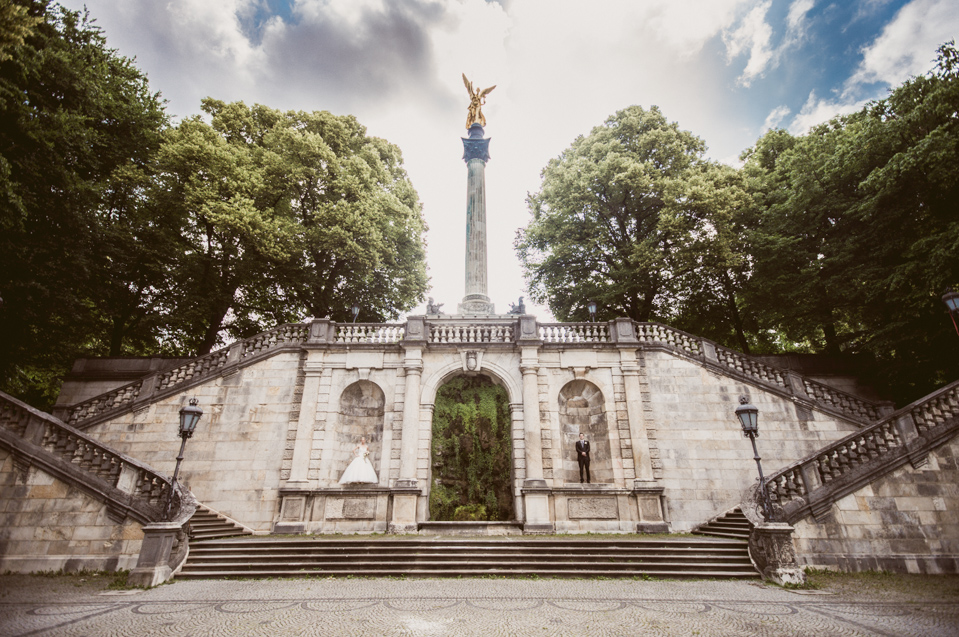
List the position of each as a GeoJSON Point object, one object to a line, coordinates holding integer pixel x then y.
{"type": "Point", "coordinates": [234, 459]}
{"type": "Point", "coordinates": [48, 525]}
{"type": "Point", "coordinates": [288, 421]}
{"type": "Point", "coordinates": [706, 463]}
{"type": "Point", "coordinates": [907, 521]}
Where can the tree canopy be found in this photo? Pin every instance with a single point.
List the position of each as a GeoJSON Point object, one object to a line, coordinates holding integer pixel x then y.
{"type": "Point", "coordinates": [838, 241]}
{"type": "Point", "coordinates": [123, 235]}
{"type": "Point", "coordinates": [633, 217]}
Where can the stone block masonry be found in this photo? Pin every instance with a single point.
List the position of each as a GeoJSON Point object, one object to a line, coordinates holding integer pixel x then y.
{"type": "Point", "coordinates": [49, 525]}
{"type": "Point", "coordinates": [907, 521]}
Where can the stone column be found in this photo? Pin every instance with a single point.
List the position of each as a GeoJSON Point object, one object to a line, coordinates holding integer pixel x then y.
{"type": "Point", "coordinates": [303, 444]}
{"type": "Point", "coordinates": [476, 154]}
{"type": "Point", "coordinates": [405, 491]}
{"type": "Point", "coordinates": [535, 492]}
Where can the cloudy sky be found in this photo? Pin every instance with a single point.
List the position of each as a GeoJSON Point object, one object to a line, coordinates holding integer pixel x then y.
{"type": "Point", "coordinates": [726, 70]}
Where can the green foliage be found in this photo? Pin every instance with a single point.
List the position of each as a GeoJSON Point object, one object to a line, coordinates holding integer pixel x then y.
{"type": "Point", "coordinates": [122, 236]}
{"type": "Point", "coordinates": [471, 451]}
{"type": "Point", "coordinates": [633, 217]}
{"type": "Point", "coordinates": [79, 129]}
{"type": "Point", "coordinates": [470, 512]}
{"type": "Point", "coordinates": [859, 232]}
{"type": "Point", "coordinates": [287, 214]}
{"type": "Point", "coordinates": [839, 241]}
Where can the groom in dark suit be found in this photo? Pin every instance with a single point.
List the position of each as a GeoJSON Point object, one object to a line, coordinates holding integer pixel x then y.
{"type": "Point", "coordinates": [582, 456]}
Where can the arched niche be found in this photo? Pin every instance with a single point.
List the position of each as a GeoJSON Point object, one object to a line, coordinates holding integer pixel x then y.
{"type": "Point", "coordinates": [582, 410]}
{"type": "Point", "coordinates": [362, 406]}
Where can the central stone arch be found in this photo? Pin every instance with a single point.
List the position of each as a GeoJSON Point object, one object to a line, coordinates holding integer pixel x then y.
{"type": "Point", "coordinates": [471, 458]}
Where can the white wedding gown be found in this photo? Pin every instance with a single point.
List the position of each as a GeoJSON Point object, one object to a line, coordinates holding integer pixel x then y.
{"type": "Point", "coordinates": [360, 470]}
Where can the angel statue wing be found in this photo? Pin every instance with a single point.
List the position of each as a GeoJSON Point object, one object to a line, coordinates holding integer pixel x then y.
{"type": "Point", "coordinates": [474, 113]}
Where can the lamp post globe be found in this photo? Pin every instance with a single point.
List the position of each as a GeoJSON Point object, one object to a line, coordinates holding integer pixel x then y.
{"type": "Point", "coordinates": [355, 310]}
{"type": "Point", "coordinates": [189, 417]}
{"type": "Point", "coordinates": [748, 417]}
{"type": "Point", "coordinates": [951, 299]}
{"type": "Point", "coordinates": [591, 308]}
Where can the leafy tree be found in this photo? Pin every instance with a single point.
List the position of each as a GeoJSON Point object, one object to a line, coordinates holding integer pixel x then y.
{"type": "Point", "coordinates": [78, 122]}
{"type": "Point", "coordinates": [634, 218]}
{"type": "Point", "coordinates": [859, 232]}
{"type": "Point", "coordinates": [285, 214]}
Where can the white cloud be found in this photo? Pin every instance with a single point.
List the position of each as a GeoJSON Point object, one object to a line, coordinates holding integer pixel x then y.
{"type": "Point", "coordinates": [797, 14]}
{"type": "Point", "coordinates": [907, 44]}
{"type": "Point", "coordinates": [816, 111]}
{"type": "Point", "coordinates": [752, 35]}
{"type": "Point", "coordinates": [775, 117]}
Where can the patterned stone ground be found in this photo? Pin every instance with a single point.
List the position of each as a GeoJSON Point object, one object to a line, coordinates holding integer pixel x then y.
{"type": "Point", "coordinates": [32, 605]}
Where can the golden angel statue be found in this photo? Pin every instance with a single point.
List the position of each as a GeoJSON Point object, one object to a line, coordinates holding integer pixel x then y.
{"type": "Point", "coordinates": [477, 99]}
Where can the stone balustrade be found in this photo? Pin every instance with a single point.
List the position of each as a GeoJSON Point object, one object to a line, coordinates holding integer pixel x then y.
{"type": "Point", "coordinates": [574, 332]}
{"type": "Point", "coordinates": [673, 338]}
{"type": "Point", "coordinates": [371, 333]}
{"type": "Point", "coordinates": [841, 401]}
{"type": "Point", "coordinates": [811, 485]}
{"type": "Point", "coordinates": [128, 486]}
{"type": "Point", "coordinates": [456, 330]}
{"type": "Point", "coordinates": [750, 367]}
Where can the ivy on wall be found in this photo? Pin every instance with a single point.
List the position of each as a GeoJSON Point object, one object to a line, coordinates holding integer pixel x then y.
{"type": "Point", "coordinates": [471, 451]}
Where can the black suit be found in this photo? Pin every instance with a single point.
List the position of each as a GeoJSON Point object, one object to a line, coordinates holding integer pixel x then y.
{"type": "Point", "coordinates": [582, 456]}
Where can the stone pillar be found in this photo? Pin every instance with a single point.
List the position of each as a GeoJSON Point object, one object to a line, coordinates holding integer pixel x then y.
{"type": "Point", "coordinates": [153, 565]}
{"type": "Point", "coordinates": [476, 154]}
{"type": "Point", "coordinates": [535, 492]}
{"type": "Point", "coordinates": [634, 409]}
{"type": "Point", "coordinates": [303, 443]}
{"type": "Point", "coordinates": [405, 490]}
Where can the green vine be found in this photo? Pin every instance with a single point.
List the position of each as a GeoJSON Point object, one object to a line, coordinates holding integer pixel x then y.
{"type": "Point", "coordinates": [471, 451]}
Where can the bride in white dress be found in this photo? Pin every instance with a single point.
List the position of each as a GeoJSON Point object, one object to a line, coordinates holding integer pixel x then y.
{"type": "Point", "coordinates": [361, 469]}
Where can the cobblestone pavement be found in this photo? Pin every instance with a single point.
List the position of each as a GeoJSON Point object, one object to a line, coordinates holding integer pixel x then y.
{"type": "Point", "coordinates": [72, 605]}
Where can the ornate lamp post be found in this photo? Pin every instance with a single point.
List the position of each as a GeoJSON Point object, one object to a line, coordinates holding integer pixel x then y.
{"type": "Point", "coordinates": [951, 299]}
{"type": "Point", "coordinates": [749, 419]}
{"type": "Point", "coordinates": [356, 311]}
{"type": "Point", "coordinates": [591, 307]}
{"type": "Point", "coordinates": [189, 417]}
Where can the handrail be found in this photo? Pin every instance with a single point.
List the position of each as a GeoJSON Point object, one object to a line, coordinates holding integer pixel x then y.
{"type": "Point", "coordinates": [129, 487]}
{"type": "Point", "coordinates": [811, 485]}
{"type": "Point", "coordinates": [707, 351]}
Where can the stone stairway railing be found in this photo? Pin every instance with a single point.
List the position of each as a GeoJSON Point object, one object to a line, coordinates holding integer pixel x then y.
{"type": "Point", "coordinates": [522, 330]}
{"type": "Point", "coordinates": [129, 488]}
{"type": "Point", "coordinates": [811, 485]}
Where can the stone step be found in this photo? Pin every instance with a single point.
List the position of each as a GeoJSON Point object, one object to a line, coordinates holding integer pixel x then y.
{"type": "Point", "coordinates": [701, 573]}
{"type": "Point", "coordinates": [732, 525]}
{"type": "Point", "coordinates": [365, 557]}
{"type": "Point", "coordinates": [207, 524]}
{"type": "Point", "coordinates": [472, 557]}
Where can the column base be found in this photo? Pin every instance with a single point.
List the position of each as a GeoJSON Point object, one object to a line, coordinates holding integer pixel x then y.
{"type": "Point", "coordinates": [771, 549]}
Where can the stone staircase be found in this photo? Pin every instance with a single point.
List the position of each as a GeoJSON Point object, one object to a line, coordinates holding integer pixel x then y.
{"type": "Point", "coordinates": [732, 525]}
{"type": "Point", "coordinates": [719, 558]}
{"type": "Point", "coordinates": [208, 524]}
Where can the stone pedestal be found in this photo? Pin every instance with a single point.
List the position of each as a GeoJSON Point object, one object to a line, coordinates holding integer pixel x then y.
{"type": "Point", "coordinates": [649, 500]}
{"type": "Point", "coordinates": [771, 549]}
{"type": "Point", "coordinates": [536, 504]}
{"type": "Point", "coordinates": [403, 519]}
{"type": "Point", "coordinates": [153, 566]}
